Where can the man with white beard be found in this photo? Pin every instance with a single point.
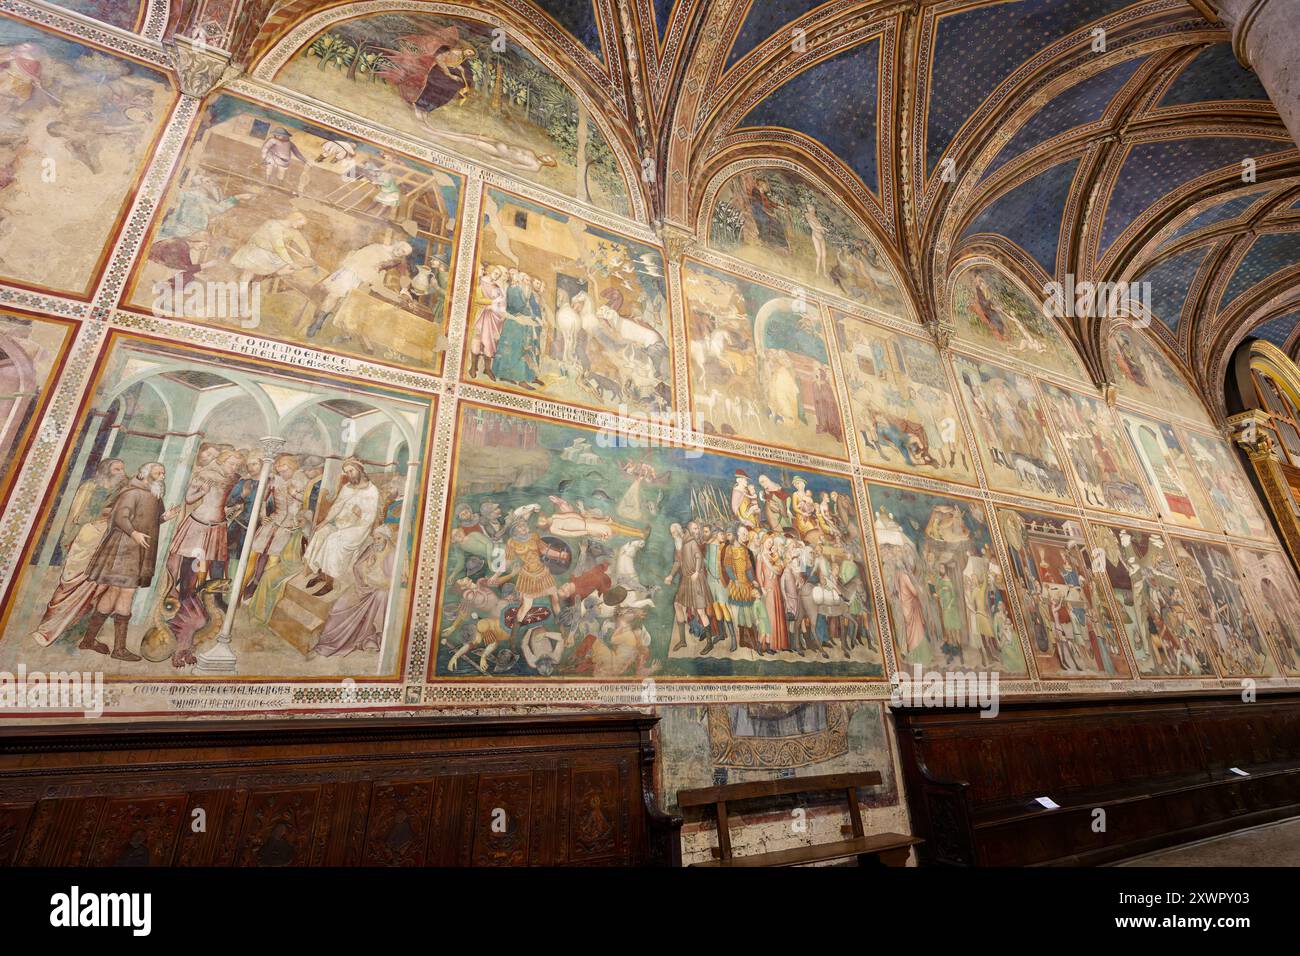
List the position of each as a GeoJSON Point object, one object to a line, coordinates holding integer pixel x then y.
{"type": "Point", "coordinates": [336, 543]}
{"type": "Point", "coordinates": [127, 556]}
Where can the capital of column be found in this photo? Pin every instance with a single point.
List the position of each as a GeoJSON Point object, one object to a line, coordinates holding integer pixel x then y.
{"type": "Point", "coordinates": [200, 68]}
{"type": "Point", "coordinates": [677, 240]}
{"type": "Point", "coordinates": [1250, 430]}
{"type": "Point", "coordinates": [272, 445]}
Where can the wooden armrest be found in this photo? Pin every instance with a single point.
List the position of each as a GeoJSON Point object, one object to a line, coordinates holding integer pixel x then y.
{"type": "Point", "coordinates": [822, 852]}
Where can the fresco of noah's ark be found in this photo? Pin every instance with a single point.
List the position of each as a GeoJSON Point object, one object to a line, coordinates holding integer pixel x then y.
{"type": "Point", "coordinates": [331, 242]}
{"type": "Point", "coordinates": [718, 744]}
{"type": "Point", "coordinates": [452, 82]}
{"type": "Point", "coordinates": [780, 222]}
{"type": "Point", "coordinates": [153, 560]}
{"type": "Point", "coordinates": [901, 404]}
{"type": "Point", "coordinates": [568, 310]}
{"type": "Point", "coordinates": [572, 555]}
{"type": "Point", "coordinates": [77, 126]}
{"type": "Point", "coordinates": [759, 365]}
{"type": "Point", "coordinates": [1178, 493]}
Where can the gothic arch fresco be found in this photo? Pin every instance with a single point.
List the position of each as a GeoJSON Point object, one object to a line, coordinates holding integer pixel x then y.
{"type": "Point", "coordinates": [513, 105]}
{"type": "Point", "coordinates": [776, 216]}
{"type": "Point", "coordinates": [993, 309]}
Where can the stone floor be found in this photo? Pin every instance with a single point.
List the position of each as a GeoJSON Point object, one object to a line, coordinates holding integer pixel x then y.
{"type": "Point", "coordinates": [1274, 844]}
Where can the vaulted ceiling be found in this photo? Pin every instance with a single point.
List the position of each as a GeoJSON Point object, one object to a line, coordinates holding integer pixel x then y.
{"type": "Point", "coordinates": [1102, 139]}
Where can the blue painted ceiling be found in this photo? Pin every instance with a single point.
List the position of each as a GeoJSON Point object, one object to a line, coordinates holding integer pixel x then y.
{"type": "Point", "coordinates": [579, 17]}
{"type": "Point", "coordinates": [1268, 256]}
{"type": "Point", "coordinates": [978, 48]}
{"type": "Point", "coordinates": [763, 19]}
{"type": "Point", "coordinates": [1214, 75]}
{"type": "Point", "coordinates": [1081, 104]}
{"type": "Point", "coordinates": [833, 102]}
{"type": "Point", "coordinates": [1030, 215]}
{"type": "Point", "coordinates": [1153, 170]}
{"type": "Point", "coordinates": [1278, 330]}
{"type": "Point", "coordinates": [1171, 282]}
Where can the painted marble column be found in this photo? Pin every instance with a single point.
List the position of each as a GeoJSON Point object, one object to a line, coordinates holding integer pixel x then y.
{"type": "Point", "coordinates": [400, 545]}
{"type": "Point", "coordinates": [1265, 36]}
{"type": "Point", "coordinates": [220, 657]}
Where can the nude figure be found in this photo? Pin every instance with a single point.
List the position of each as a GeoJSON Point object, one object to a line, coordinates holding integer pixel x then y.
{"type": "Point", "coordinates": [517, 157]}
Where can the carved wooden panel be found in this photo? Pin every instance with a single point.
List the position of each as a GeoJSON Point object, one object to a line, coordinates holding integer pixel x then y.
{"type": "Point", "coordinates": [438, 792]}
{"type": "Point", "coordinates": [13, 822]}
{"type": "Point", "coordinates": [594, 814]}
{"type": "Point", "coordinates": [397, 833]}
{"type": "Point", "coordinates": [135, 832]}
{"type": "Point", "coordinates": [277, 828]}
{"type": "Point", "coordinates": [503, 819]}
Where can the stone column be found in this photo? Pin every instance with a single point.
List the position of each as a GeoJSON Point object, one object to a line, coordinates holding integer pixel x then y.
{"type": "Point", "coordinates": [220, 657]}
{"type": "Point", "coordinates": [399, 547]}
{"type": "Point", "coordinates": [1265, 37]}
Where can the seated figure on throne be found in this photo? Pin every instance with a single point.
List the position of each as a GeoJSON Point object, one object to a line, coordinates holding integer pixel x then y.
{"type": "Point", "coordinates": [338, 541]}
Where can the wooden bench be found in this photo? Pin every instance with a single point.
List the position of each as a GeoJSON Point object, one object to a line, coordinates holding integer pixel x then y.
{"type": "Point", "coordinates": [887, 849]}
{"type": "Point", "coordinates": [1163, 769]}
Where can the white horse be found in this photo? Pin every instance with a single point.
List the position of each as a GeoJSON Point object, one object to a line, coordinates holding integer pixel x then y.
{"type": "Point", "coordinates": [714, 347]}
{"type": "Point", "coordinates": [624, 574]}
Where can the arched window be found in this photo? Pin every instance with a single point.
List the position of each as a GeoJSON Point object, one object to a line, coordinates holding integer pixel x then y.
{"type": "Point", "coordinates": [1284, 414]}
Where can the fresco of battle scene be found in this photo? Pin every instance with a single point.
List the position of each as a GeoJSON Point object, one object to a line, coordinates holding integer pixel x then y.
{"type": "Point", "coordinates": [902, 406]}
{"type": "Point", "coordinates": [154, 558]}
{"type": "Point", "coordinates": [1234, 500]}
{"type": "Point", "coordinates": [1062, 596]}
{"type": "Point", "coordinates": [720, 744]}
{"type": "Point", "coordinates": [1011, 430]}
{"type": "Point", "coordinates": [570, 553]}
{"type": "Point", "coordinates": [31, 350]}
{"type": "Point", "coordinates": [1271, 586]}
{"type": "Point", "coordinates": [1161, 624]}
{"type": "Point", "coordinates": [944, 583]}
{"type": "Point", "coordinates": [452, 82]}
{"type": "Point", "coordinates": [1104, 470]}
{"type": "Point", "coordinates": [759, 366]}
{"type": "Point", "coordinates": [77, 126]}
{"type": "Point", "coordinates": [1224, 611]}
{"type": "Point", "coordinates": [330, 242]}
{"type": "Point", "coordinates": [568, 310]}
{"type": "Point", "coordinates": [781, 223]}
{"type": "Point", "coordinates": [1146, 375]}
{"type": "Point", "coordinates": [991, 311]}
{"type": "Point", "coordinates": [1178, 493]}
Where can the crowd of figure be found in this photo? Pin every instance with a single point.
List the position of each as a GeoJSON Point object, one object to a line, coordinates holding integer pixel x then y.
{"type": "Point", "coordinates": [608, 352]}
{"type": "Point", "coordinates": [108, 549]}
{"type": "Point", "coordinates": [774, 570]}
{"type": "Point", "coordinates": [948, 591]}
